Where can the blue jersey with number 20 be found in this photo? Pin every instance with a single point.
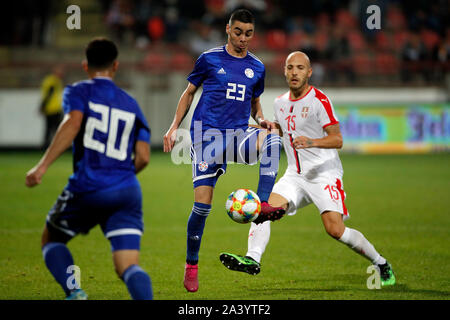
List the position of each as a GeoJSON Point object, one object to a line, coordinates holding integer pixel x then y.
{"type": "Point", "coordinates": [229, 84]}
{"type": "Point", "coordinates": [103, 149]}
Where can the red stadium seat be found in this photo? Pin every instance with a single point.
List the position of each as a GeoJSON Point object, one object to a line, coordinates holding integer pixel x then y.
{"type": "Point", "coordinates": [346, 19]}
{"type": "Point", "coordinates": [429, 38]}
{"type": "Point", "coordinates": [276, 64]}
{"type": "Point", "coordinates": [257, 41]}
{"type": "Point", "coordinates": [395, 18]}
{"type": "Point", "coordinates": [276, 40]}
{"type": "Point", "coordinates": [386, 64]}
{"type": "Point", "coordinates": [321, 40]}
{"type": "Point", "coordinates": [155, 28]}
{"type": "Point", "coordinates": [295, 40]}
{"type": "Point", "coordinates": [356, 40]}
{"type": "Point", "coordinates": [400, 38]}
{"type": "Point", "coordinates": [362, 64]}
{"type": "Point", "coordinates": [155, 62]}
{"type": "Point", "coordinates": [181, 62]}
{"type": "Point", "coordinates": [323, 20]}
{"type": "Point", "coordinates": [382, 40]}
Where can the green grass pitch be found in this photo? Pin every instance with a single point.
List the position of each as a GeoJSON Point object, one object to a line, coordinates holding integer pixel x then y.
{"type": "Point", "coordinates": [399, 202]}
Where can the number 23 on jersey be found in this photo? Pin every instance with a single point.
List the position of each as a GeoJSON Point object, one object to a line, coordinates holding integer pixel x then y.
{"type": "Point", "coordinates": [235, 91]}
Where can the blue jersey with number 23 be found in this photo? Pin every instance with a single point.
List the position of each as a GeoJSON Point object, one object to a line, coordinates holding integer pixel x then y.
{"type": "Point", "coordinates": [229, 84]}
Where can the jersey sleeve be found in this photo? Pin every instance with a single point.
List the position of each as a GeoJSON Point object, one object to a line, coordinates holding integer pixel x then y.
{"type": "Point", "coordinates": [72, 99]}
{"type": "Point", "coordinates": [325, 112]}
{"type": "Point", "coordinates": [259, 87]}
{"type": "Point", "coordinates": [275, 113]}
{"type": "Point", "coordinates": [198, 75]}
{"type": "Point", "coordinates": [143, 132]}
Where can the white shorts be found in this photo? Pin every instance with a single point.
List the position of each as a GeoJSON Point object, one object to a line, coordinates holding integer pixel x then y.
{"type": "Point", "coordinates": [327, 195]}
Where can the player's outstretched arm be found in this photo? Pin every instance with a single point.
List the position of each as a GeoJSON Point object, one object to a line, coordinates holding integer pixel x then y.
{"type": "Point", "coordinates": [332, 141]}
{"type": "Point", "coordinates": [258, 116]}
{"type": "Point", "coordinates": [66, 133]}
{"type": "Point", "coordinates": [142, 155]}
{"type": "Point", "coordinates": [182, 109]}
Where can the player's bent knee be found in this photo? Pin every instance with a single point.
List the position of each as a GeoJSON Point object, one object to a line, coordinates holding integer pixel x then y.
{"type": "Point", "coordinates": [333, 224]}
{"type": "Point", "coordinates": [334, 232]}
{"type": "Point", "coordinates": [52, 235]}
{"type": "Point", "coordinates": [203, 194]}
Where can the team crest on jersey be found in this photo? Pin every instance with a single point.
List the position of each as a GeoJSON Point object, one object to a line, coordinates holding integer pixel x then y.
{"type": "Point", "coordinates": [249, 73]}
{"type": "Point", "coordinates": [305, 112]}
{"type": "Point", "coordinates": [203, 166]}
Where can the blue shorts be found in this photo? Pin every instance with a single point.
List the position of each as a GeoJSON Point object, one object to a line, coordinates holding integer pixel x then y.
{"type": "Point", "coordinates": [118, 212]}
{"type": "Point", "coordinates": [211, 153]}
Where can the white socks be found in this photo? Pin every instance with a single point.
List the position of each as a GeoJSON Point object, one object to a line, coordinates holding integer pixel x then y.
{"type": "Point", "coordinates": [258, 237]}
{"type": "Point", "coordinates": [259, 234]}
{"type": "Point", "coordinates": [356, 241]}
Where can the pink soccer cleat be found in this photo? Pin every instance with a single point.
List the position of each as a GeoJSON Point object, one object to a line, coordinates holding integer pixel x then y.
{"type": "Point", "coordinates": [269, 213]}
{"type": "Point", "coordinates": [191, 277]}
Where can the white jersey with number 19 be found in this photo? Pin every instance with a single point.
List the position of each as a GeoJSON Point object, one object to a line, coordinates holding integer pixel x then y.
{"type": "Point", "coordinates": [308, 116]}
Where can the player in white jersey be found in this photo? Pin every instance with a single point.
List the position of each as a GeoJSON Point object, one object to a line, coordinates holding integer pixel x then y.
{"type": "Point", "coordinates": [311, 136]}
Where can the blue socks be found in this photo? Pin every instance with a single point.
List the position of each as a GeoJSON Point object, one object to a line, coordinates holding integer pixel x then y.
{"type": "Point", "coordinates": [58, 258]}
{"type": "Point", "coordinates": [138, 283]}
{"type": "Point", "coordinates": [268, 166]}
{"type": "Point", "coordinates": [195, 226]}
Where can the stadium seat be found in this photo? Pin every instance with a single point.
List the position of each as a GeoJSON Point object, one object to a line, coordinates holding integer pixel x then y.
{"type": "Point", "coordinates": [295, 40]}
{"type": "Point", "coordinates": [276, 40]}
{"type": "Point", "coordinates": [395, 18]}
{"type": "Point", "coordinates": [399, 40]}
{"type": "Point", "coordinates": [323, 20]}
{"type": "Point", "coordinates": [344, 18]}
{"type": "Point", "coordinates": [257, 41]}
{"type": "Point", "coordinates": [181, 62]}
{"type": "Point", "coordinates": [356, 40]}
{"type": "Point", "coordinates": [362, 63]}
{"type": "Point", "coordinates": [429, 38]}
{"type": "Point", "coordinates": [155, 28]}
{"type": "Point", "coordinates": [276, 64]}
{"type": "Point", "coordinates": [155, 62]}
{"type": "Point", "coordinates": [386, 63]}
{"type": "Point", "coordinates": [382, 40]}
{"type": "Point", "coordinates": [321, 40]}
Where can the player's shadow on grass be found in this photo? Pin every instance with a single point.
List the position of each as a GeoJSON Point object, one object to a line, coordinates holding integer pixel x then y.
{"type": "Point", "coordinates": [403, 288]}
{"type": "Point", "coordinates": [330, 284]}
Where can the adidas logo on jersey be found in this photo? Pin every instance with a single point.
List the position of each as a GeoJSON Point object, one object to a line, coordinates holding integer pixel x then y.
{"type": "Point", "coordinates": [221, 71]}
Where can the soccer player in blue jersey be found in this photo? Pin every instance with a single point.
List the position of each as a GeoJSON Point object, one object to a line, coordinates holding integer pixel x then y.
{"type": "Point", "coordinates": [111, 144]}
{"type": "Point", "coordinates": [233, 80]}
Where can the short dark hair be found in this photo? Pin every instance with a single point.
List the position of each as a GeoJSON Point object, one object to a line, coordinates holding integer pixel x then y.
{"type": "Point", "coordinates": [101, 53]}
{"type": "Point", "coordinates": [242, 15]}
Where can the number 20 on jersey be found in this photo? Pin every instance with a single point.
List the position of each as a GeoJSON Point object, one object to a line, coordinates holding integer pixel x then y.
{"type": "Point", "coordinates": [109, 124]}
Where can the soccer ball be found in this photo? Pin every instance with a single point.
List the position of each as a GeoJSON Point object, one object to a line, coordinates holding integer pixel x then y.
{"type": "Point", "coordinates": [243, 206]}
